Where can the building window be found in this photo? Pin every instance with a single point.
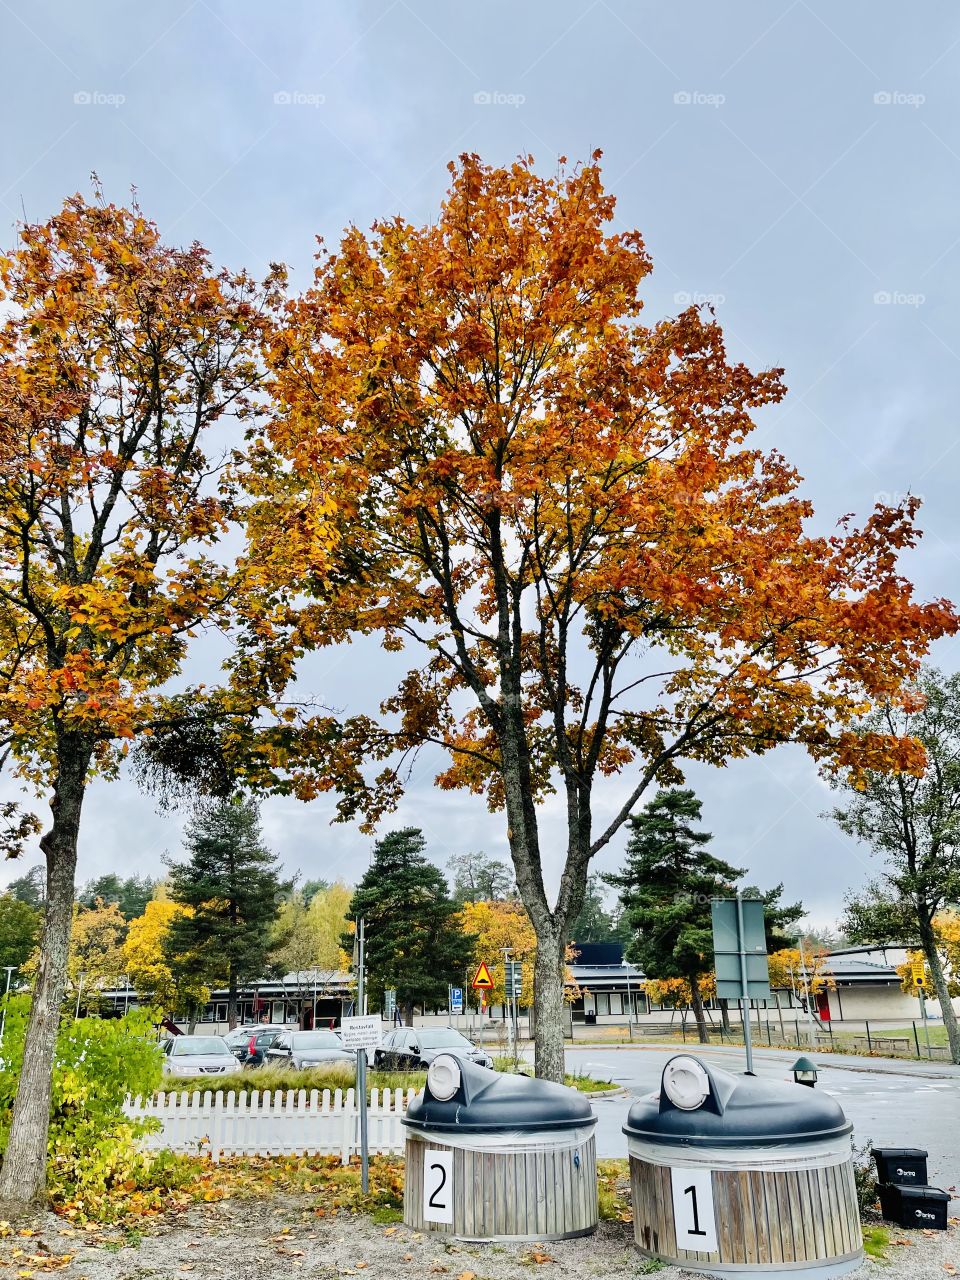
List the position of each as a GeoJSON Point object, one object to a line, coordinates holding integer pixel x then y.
{"type": "Point", "coordinates": [603, 1002]}
{"type": "Point", "coordinates": [616, 1002]}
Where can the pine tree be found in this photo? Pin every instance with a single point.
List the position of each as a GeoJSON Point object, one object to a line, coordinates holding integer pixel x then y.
{"type": "Point", "coordinates": [414, 940]}
{"type": "Point", "coordinates": [666, 887]}
{"type": "Point", "coordinates": [232, 884]}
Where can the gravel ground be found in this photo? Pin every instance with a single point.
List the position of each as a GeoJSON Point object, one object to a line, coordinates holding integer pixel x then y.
{"type": "Point", "coordinates": [279, 1236]}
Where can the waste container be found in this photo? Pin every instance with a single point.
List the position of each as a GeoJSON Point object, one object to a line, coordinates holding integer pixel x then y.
{"type": "Point", "coordinates": [904, 1165]}
{"type": "Point", "coordinates": [499, 1157]}
{"type": "Point", "coordinates": [918, 1207]}
{"type": "Point", "coordinates": [732, 1173]}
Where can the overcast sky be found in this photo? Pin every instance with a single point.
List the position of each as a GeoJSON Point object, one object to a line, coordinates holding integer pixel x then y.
{"type": "Point", "coordinates": [796, 164]}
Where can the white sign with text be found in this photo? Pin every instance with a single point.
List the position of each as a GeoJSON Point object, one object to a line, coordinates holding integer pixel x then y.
{"type": "Point", "coordinates": [362, 1033]}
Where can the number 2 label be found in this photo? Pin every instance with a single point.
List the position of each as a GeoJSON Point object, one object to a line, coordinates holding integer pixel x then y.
{"type": "Point", "coordinates": [693, 1209]}
{"type": "Point", "coordinates": [438, 1186]}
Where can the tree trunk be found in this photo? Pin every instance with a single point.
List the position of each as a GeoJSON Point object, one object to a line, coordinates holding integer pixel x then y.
{"type": "Point", "coordinates": [232, 999]}
{"type": "Point", "coordinates": [548, 976]}
{"type": "Point", "coordinates": [696, 1002]}
{"type": "Point", "coordinates": [24, 1173]}
{"type": "Point", "coordinates": [408, 1013]}
{"type": "Point", "coordinates": [928, 941]}
{"type": "Point", "coordinates": [725, 1015]}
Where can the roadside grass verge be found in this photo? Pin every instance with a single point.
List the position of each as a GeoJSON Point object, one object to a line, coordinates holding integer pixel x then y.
{"type": "Point", "coordinates": [280, 1079]}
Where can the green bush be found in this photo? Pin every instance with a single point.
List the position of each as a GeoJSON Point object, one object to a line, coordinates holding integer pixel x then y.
{"type": "Point", "coordinates": [93, 1146]}
{"type": "Point", "coordinates": [865, 1177]}
{"type": "Point", "coordinates": [283, 1078]}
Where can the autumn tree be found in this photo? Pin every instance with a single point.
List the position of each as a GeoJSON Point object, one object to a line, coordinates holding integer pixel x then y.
{"type": "Point", "coordinates": [232, 886]}
{"type": "Point", "coordinates": [415, 942]}
{"type": "Point", "coordinates": [495, 925]}
{"type": "Point", "coordinates": [912, 822]}
{"type": "Point", "coordinates": [558, 509]}
{"type": "Point", "coordinates": [668, 882]}
{"type": "Point", "coordinates": [946, 928]}
{"type": "Point", "coordinates": [125, 368]}
{"type": "Point", "coordinates": [96, 949]}
{"type": "Point", "coordinates": [174, 980]}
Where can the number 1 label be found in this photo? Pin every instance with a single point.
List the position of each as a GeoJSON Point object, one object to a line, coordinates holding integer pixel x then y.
{"type": "Point", "coordinates": [693, 1209]}
{"type": "Point", "coordinates": [438, 1186]}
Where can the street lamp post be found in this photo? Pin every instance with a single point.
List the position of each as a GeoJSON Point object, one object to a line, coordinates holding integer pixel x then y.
{"type": "Point", "coordinates": [11, 969]}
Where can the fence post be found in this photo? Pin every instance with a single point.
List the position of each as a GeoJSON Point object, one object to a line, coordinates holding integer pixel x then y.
{"type": "Point", "coordinates": [869, 1041]}
{"type": "Point", "coordinates": [916, 1038]}
{"type": "Point", "coordinates": [769, 1041]}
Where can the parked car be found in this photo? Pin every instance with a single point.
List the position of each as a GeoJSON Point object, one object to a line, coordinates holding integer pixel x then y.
{"type": "Point", "coordinates": [197, 1056]}
{"type": "Point", "coordinates": [253, 1051]}
{"type": "Point", "coordinates": [301, 1049]}
{"type": "Point", "coordinates": [240, 1036]}
{"type": "Point", "coordinates": [414, 1048]}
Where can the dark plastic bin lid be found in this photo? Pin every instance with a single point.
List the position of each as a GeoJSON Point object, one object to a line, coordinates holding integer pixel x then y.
{"type": "Point", "coordinates": [489, 1102]}
{"type": "Point", "coordinates": [734, 1111]}
{"type": "Point", "coordinates": [899, 1153]}
{"type": "Point", "coordinates": [919, 1193]}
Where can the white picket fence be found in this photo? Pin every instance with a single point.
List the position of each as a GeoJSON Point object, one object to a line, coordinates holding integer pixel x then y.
{"type": "Point", "coordinates": [281, 1122]}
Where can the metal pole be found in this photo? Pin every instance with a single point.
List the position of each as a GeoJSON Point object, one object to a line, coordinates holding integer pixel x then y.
{"type": "Point", "coordinates": [507, 952]}
{"type": "Point", "coordinates": [745, 1000]}
{"type": "Point", "coordinates": [811, 1033]}
{"type": "Point", "coordinates": [10, 968]}
{"type": "Point", "coordinates": [926, 1024]}
{"type": "Point", "coordinates": [362, 1068]}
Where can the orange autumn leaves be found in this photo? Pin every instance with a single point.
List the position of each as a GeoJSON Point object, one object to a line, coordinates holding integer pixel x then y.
{"type": "Point", "coordinates": [470, 440]}
{"type": "Point", "coordinates": [560, 506]}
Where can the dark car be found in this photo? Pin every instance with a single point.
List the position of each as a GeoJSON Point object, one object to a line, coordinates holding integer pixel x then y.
{"type": "Point", "coordinates": [252, 1052]}
{"type": "Point", "coordinates": [301, 1049]}
{"type": "Point", "coordinates": [413, 1048]}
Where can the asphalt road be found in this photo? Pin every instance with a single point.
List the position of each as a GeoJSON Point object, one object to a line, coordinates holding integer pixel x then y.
{"type": "Point", "coordinates": [896, 1104]}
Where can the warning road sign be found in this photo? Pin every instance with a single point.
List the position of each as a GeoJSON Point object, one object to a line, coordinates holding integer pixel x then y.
{"type": "Point", "coordinates": [481, 979]}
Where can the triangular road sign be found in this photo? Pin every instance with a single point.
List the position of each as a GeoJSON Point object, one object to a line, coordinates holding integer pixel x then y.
{"type": "Point", "coordinates": [481, 979]}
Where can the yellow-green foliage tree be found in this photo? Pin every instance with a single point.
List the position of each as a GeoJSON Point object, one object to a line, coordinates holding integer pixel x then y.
{"type": "Point", "coordinates": [946, 930]}
{"type": "Point", "coordinates": [174, 983]}
{"type": "Point", "coordinates": [787, 966]}
{"type": "Point", "coordinates": [676, 993]}
{"type": "Point", "coordinates": [96, 947]}
{"type": "Point", "coordinates": [506, 924]}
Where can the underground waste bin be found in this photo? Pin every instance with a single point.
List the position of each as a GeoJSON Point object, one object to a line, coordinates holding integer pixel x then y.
{"type": "Point", "coordinates": [732, 1174]}
{"type": "Point", "coordinates": [499, 1157]}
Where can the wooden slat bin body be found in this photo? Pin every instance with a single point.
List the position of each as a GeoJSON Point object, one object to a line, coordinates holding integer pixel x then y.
{"type": "Point", "coordinates": [499, 1157]}
{"type": "Point", "coordinates": [526, 1191]}
{"type": "Point", "coordinates": [788, 1220]}
{"type": "Point", "coordinates": [733, 1175]}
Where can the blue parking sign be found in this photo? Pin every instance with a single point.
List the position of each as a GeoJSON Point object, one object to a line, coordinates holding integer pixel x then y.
{"type": "Point", "coordinates": [456, 999]}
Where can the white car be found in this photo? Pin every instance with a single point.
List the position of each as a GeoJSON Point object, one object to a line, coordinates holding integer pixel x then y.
{"type": "Point", "coordinates": [197, 1056]}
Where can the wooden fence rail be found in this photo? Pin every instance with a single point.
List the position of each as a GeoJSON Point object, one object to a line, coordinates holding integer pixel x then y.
{"type": "Point", "coordinates": [272, 1123]}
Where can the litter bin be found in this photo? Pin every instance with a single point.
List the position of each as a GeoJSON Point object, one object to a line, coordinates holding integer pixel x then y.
{"type": "Point", "coordinates": [499, 1157]}
{"type": "Point", "coordinates": [733, 1173]}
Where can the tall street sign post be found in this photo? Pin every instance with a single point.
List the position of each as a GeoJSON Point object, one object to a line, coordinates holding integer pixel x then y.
{"type": "Point", "coordinates": [740, 951]}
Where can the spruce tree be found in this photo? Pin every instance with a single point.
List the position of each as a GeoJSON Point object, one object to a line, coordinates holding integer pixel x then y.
{"type": "Point", "coordinates": [666, 886]}
{"type": "Point", "coordinates": [231, 884]}
{"type": "Point", "coordinates": [414, 940]}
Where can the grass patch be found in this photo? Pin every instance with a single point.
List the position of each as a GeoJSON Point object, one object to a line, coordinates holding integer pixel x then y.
{"type": "Point", "coordinates": [613, 1190]}
{"type": "Point", "coordinates": [280, 1078]}
{"type": "Point", "coordinates": [876, 1241]}
{"type": "Point", "coordinates": [587, 1084]}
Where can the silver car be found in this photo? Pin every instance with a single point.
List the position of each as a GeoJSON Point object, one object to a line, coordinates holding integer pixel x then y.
{"type": "Point", "coordinates": [197, 1056]}
{"type": "Point", "coordinates": [299, 1049]}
